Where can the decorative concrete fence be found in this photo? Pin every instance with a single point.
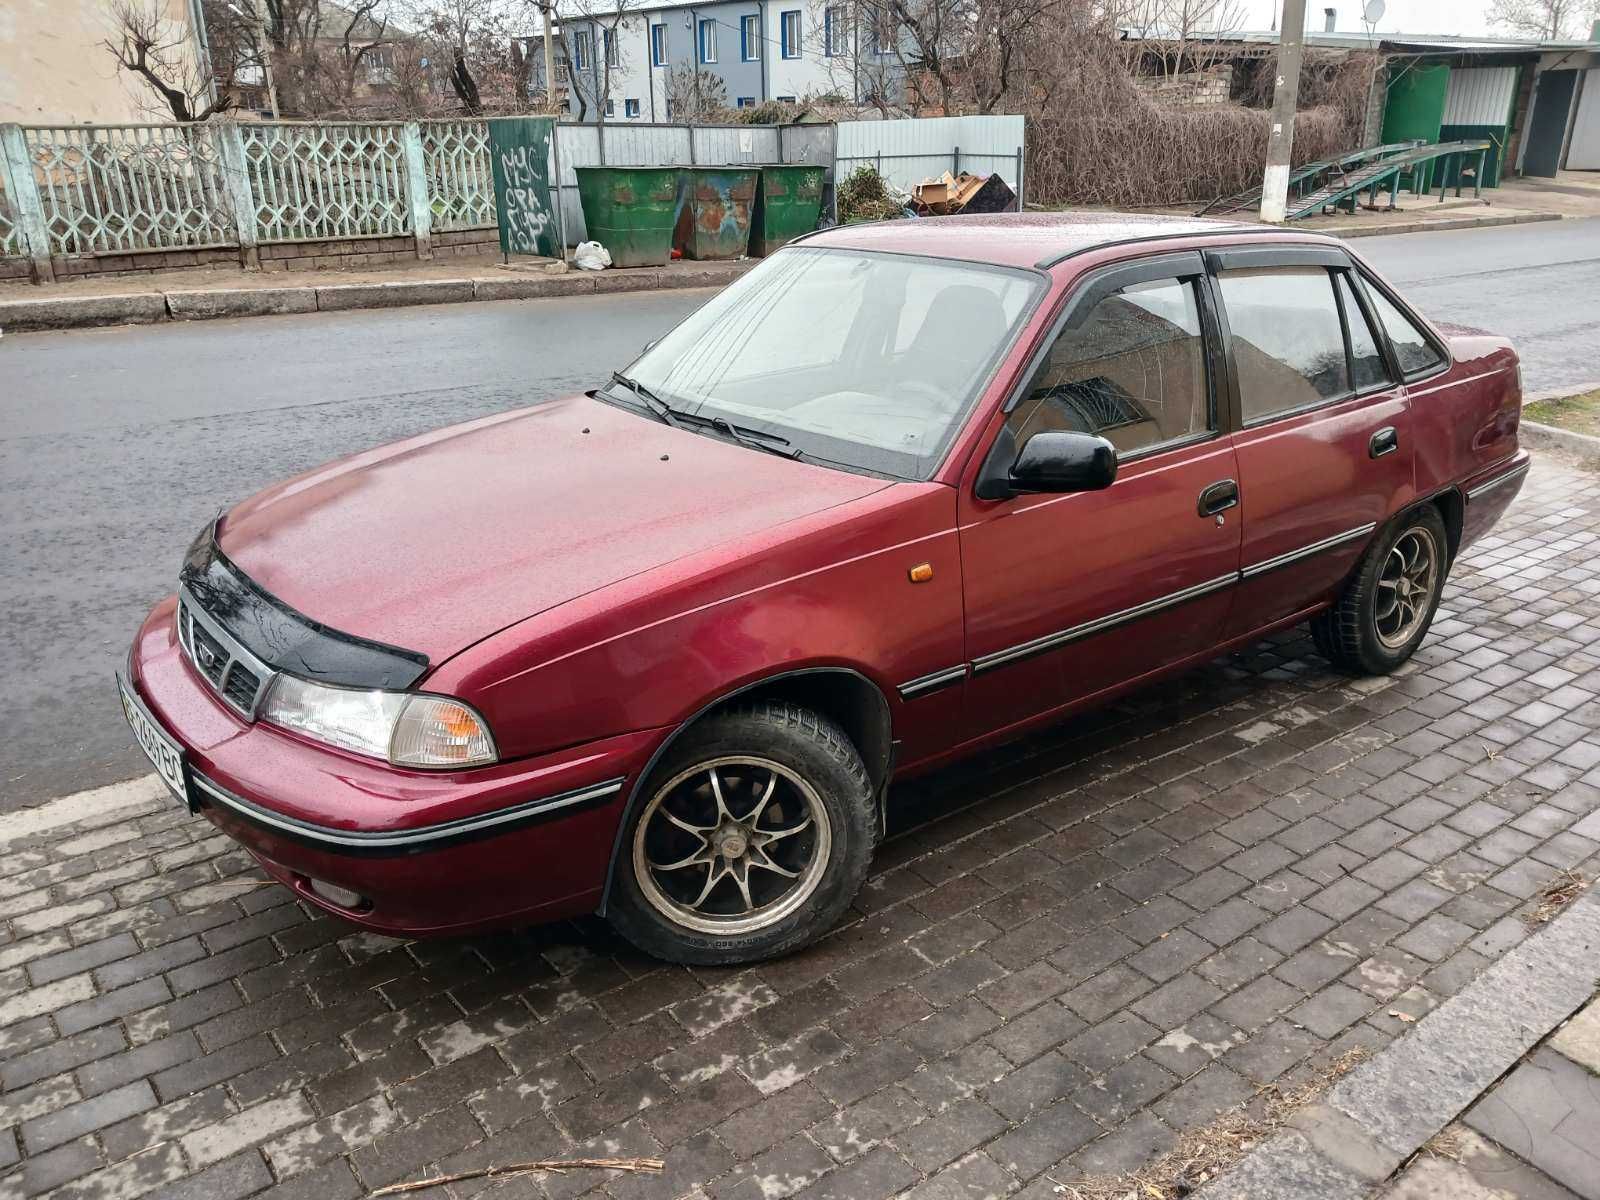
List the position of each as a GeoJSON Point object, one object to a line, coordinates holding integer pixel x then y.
{"type": "Point", "coordinates": [97, 199]}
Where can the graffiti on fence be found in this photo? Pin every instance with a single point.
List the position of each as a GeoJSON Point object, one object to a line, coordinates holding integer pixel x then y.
{"type": "Point", "coordinates": [519, 149]}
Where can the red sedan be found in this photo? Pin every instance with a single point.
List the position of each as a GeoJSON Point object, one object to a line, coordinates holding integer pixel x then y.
{"type": "Point", "coordinates": [903, 491]}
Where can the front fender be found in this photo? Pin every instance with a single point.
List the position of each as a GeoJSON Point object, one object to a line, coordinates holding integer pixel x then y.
{"type": "Point", "coordinates": [656, 649]}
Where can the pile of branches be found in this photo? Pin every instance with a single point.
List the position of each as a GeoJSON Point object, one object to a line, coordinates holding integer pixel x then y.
{"type": "Point", "coordinates": [1096, 138]}
{"type": "Point", "coordinates": [864, 195]}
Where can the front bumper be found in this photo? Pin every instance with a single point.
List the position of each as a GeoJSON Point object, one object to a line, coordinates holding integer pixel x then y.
{"type": "Point", "coordinates": [426, 852]}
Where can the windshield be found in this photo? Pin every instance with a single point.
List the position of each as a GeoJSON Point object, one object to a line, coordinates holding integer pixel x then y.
{"type": "Point", "coordinates": [866, 361]}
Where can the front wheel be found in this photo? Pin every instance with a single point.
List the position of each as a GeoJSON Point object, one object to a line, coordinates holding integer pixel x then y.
{"type": "Point", "coordinates": [753, 836]}
{"type": "Point", "coordinates": [1384, 611]}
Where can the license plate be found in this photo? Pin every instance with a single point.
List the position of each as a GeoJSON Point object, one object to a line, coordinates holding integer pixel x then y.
{"type": "Point", "coordinates": [165, 754]}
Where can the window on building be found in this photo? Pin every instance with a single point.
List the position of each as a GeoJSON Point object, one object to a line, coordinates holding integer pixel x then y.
{"type": "Point", "coordinates": [708, 41]}
{"type": "Point", "coordinates": [1413, 349]}
{"type": "Point", "coordinates": [1132, 369]}
{"type": "Point", "coordinates": [835, 33]}
{"type": "Point", "coordinates": [1367, 369]}
{"type": "Point", "coordinates": [1288, 345]}
{"type": "Point", "coordinates": [785, 99]}
{"type": "Point", "coordinates": [610, 39]}
{"type": "Point", "coordinates": [611, 108]}
{"type": "Point", "coordinates": [750, 38]}
{"type": "Point", "coordinates": [789, 33]}
{"type": "Point", "coordinates": [580, 50]}
{"type": "Point", "coordinates": [670, 107]}
{"type": "Point", "coordinates": [658, 45]}
{"type": "Point", "coordinates": [747, 101]}
{"type": "Point", "coordinates": [883, 35]}
{"type": "Point", "coordinates": [630, 108]}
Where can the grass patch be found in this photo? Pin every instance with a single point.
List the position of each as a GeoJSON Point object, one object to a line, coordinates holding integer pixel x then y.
{"type": "Point", "coordinates": [1580, 414]}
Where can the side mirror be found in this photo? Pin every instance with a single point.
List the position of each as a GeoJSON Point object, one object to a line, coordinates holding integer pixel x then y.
{"type": "Point", "coordinates": [1056, 460]}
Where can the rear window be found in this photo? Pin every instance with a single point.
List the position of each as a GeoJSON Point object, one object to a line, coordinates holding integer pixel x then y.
{"type": "Point", "coordinates": [1288, 342]}
{"type": "Point", "coordinates": [1413, 348]}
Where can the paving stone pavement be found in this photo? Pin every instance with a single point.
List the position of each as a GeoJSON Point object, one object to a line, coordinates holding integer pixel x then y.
{"type": "Point", "coordinates": [1075, 948]}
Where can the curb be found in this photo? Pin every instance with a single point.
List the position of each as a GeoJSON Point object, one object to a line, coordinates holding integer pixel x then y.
{"type": "Point", "coordinates": [1582, 446]}
{"type": "Point", "coordinates": [1388, 1108]}
{"type": "Point", "coordinates": [197, 304]}
{"type": "Point", "coordinates": [1355, 231]}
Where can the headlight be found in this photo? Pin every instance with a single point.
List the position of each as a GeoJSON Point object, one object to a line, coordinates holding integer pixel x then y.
{"type": "Point", "coordinates": [407, 729]}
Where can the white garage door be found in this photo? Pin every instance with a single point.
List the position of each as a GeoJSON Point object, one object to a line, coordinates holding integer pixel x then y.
{"type": "Point", "coordinates": [1583, 153]}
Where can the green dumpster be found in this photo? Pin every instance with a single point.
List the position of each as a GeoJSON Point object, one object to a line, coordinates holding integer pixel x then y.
{"type": "Point", "coordinates": [714, 219]}
{"type": "Point", "coordinates": [787, 204]}
{"type": "Point", "coordinates": [630, 211]}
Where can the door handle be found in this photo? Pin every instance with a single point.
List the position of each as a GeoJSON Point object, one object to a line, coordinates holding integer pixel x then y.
{"type": "Point", "coordinates": [1219, 497]}
{"type": "Point", "coordinates": [1385, 441]}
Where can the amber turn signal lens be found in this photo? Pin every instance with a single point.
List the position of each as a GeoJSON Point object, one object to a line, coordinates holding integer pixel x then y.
{"type": "Point", "coordinates": [921, 573]}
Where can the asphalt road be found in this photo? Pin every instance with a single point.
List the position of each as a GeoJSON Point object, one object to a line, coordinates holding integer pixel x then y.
{"type": "Point", "coordinates": [117, 444]}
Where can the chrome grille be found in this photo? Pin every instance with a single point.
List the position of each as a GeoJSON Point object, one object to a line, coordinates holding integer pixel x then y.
{"type": "Point", "coordinates": [235, 674]}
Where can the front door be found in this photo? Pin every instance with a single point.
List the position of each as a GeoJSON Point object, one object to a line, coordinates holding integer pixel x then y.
{"type": "Point", "coordinates": [1069, 595]}
{"type": "Point", "coordinates": [1324, 446]}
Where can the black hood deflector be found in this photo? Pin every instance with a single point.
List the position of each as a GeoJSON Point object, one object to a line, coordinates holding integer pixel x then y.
{"type": "Point", "coordinates": [284, 639]}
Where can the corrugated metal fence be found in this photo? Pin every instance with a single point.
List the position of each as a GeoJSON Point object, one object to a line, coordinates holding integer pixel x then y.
{"type": "Point", "coordinates": [907, 152]}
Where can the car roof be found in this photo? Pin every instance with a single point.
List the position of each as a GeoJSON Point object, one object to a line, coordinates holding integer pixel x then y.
{"type": "Point", "coordinates": [1024, 239]}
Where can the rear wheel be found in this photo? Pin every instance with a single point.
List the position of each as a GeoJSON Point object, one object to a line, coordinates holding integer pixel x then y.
{"type": "Point", "coordinates": [754, 834]}
{"type": "Point", "coordinates": [1384, 611]}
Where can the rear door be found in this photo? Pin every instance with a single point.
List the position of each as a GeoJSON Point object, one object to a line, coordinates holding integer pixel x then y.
{"type": "Point", "coordinates": [1324, 436]}
{"type": "Point", "coordinates": [1068, 595]}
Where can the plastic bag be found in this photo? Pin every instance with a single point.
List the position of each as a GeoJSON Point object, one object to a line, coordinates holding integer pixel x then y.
{"type": "Point", "coordinates": [591, 256]}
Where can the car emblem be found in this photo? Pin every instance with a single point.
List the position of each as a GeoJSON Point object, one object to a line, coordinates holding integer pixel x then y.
{"type": "Point", "coordinates": [206, 655]}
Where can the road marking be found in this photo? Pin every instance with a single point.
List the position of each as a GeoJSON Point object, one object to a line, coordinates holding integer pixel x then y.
{"type": "Point", "coordinates": [81, 806]}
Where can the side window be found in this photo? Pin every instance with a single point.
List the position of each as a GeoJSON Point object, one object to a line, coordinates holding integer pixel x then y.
{"type": "Point", "coordinates": [1288, 345]}
{"type": "Point", "coordinates": [1412, 348]}
{"type": "Point", "coordinates": [1367, 368]}
{"type": "Point", "coordinates": [1132, 369]}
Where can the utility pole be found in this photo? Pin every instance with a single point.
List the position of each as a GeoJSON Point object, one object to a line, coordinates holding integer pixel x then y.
{"type": "Point", "coordinates": [1285, 96]}
{"type": "Point", "coordinates": [549, 56]}
{"type": "Point", "coordinates": [266, 54]}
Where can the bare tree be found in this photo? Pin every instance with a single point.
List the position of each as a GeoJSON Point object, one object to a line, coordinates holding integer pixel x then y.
{"type": "Point", "coordinates": [157, 51]}
{"type": "Point", "coordinates": [605, 19]}
{"type": "Point", "coordinates": [1546, 20]}
{"type": "Point", "coordinates": [1002, 31]}
{"type": "Point", "coordinates": [694, 94]}
{"type": "Point", "coordinates": [1183, 30]}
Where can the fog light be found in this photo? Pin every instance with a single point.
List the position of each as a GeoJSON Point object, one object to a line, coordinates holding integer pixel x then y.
{"type": "Point", "coordinates": [334, 894]}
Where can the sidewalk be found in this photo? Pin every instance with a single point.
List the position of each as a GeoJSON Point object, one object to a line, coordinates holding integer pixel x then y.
{"type": "Point", "coordinates": [196, 295]}
{"type": "Point", "coordinates": [1528, 1104]}
{"type": "Point", "coordinates": [1071, 953]}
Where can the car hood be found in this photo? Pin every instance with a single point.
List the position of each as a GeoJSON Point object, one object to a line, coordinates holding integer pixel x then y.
{"type": "Point", "coordinates": [436, 542]}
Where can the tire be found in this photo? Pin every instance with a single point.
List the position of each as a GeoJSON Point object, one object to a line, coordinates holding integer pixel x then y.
{"type": "Point", "coordinates": [801, 778]}
{"type": "Point", "coordinates": [1363, 633]}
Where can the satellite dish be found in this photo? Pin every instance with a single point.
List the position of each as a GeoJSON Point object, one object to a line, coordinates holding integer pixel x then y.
{"type": "Point", "coordinates": [1373, 12]}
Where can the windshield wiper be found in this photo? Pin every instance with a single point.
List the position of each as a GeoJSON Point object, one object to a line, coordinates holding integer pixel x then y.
{"type": "Point", "coordinates": [756, 439]}
{"type": "Point", "coordinates": [658, 407]}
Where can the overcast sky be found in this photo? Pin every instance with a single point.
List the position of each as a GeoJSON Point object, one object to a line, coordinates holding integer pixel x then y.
{"type": "Point", "coordinates": [1400, 16]}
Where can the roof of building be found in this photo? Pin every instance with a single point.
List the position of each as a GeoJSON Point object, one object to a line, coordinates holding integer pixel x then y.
{"type": "Point", "coordinates": [1423, 43]}
{"type": "Point", "coordinates": [1022, 239]}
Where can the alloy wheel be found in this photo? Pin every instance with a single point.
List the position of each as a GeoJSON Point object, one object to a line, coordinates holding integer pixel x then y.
{"type": "Point", "coordinates": [1405, 587]}
{"type": "Point", "coordinates": [731, 845]}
